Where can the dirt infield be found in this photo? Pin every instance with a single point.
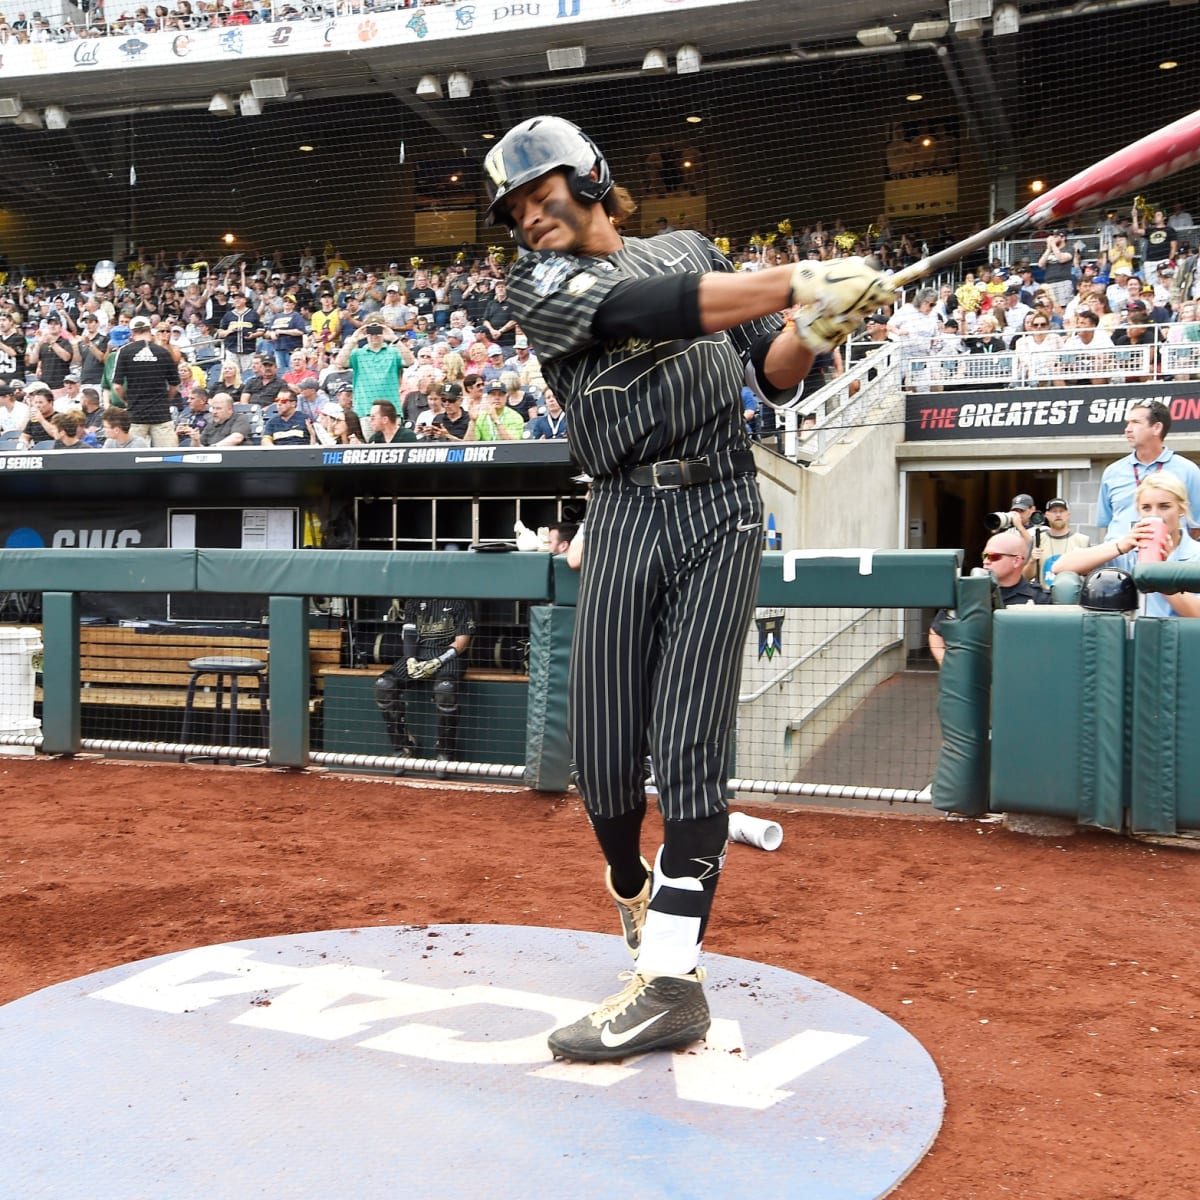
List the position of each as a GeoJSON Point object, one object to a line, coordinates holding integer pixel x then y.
{"type": "Point", "coordinates": [1056, 982]}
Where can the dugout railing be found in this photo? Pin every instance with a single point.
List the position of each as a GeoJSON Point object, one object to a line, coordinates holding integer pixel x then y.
{"type": "Point", "coordinates": [1125, 693]}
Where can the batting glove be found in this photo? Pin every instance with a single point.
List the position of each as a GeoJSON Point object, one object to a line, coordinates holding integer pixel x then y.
{"type": "Point", "coordinates": [819, 332]}
{"type": "Point", "coordinates": [840, 286]}
{"type": "Point", "coordinates": [423, 669]}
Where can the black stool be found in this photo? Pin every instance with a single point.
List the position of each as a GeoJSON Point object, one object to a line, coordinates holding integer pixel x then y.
{"type": "Point", "coordinates": [222, 666]}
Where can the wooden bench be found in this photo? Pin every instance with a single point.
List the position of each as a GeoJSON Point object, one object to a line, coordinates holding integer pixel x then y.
{"type": "Point", "coordinates": [122, 667]}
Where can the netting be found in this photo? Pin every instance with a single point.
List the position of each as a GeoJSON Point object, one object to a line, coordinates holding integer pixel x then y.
{"type": "Point", "coordinates": [809, 138]}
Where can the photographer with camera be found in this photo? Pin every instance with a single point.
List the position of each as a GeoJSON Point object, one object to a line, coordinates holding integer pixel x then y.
{"type": "Point", "coordinates": [1003, 558]}
{"type": "Point", "coordinates": [1058, 267]}
{"type": "Point", "coordinates": [1022, 516]}
{"type": "Point", "coordinates": [377, 356]}
{"type": "Point", "coordinates": [1051, 541]}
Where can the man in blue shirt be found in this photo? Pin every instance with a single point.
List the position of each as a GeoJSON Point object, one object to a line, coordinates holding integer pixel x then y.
{"type": "Point", "coordinates": [1146, 429]}
{"type": "Point", "coordinates": [287, 427]}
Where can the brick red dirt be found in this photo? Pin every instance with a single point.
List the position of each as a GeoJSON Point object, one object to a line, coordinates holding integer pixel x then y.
{"type": "Point", "coordinates": [1056, 982]}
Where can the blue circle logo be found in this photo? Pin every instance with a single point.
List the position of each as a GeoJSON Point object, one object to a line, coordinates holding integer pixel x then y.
{"type": "Point", "coordinates": [24, 538]}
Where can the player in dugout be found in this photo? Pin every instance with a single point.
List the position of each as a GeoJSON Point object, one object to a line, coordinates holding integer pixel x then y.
{"type": "Point", "coordinates": [647, 343]}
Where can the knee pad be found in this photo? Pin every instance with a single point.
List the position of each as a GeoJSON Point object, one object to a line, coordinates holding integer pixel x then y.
{"type": "Point", "coordinates": [445, 696]}
{"type": "Point", "coordinates": [388, 695]}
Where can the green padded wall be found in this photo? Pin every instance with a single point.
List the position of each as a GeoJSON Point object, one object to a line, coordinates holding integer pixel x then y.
{"type": "Point", "coordinates": [1058, 706]}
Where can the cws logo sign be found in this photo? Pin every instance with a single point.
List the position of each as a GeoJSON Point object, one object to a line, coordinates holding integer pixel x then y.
{"type": "Point", "coordinates": [103, 528]}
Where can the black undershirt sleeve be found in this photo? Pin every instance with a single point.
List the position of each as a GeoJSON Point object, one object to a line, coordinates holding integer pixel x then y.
{"type": "Point", "coordinates": [661, 309]}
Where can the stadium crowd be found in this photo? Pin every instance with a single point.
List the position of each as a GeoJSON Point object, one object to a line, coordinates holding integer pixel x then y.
{"type": "Point", "coordinates": [313, 351]}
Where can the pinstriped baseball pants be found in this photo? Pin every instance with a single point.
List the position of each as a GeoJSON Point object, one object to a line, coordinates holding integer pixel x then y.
{"type": "Point", "coordinates": [668, 588]}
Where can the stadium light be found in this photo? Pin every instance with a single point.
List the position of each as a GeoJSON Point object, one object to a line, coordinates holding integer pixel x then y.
{"type": "Point", "coordinates": [459, 85]}
{"type": "Point", "coordinates": [566, 58]}
{"type": "Point", "coordinates": [430, 87]}
{"type": "Point", "coordinates": [28, 118]}
{"type": "Point", "coordinates": [687, 59]}
{"type": "Point", "coordinates": [56, 117]}
{"type": "Point", "coordinates": [10, 106]}
{"type": "Point", "coordinates": [655, 62]}
{"type": "Point", "coordinates": [928, 31]}
{"type": "Point", "coordinates": [1006, 19]}
{"type": "Point", "coordinates": [270, 87]}
{"type": "Point", "coordinates": [250, 105]}
{"type": "Point", "coordinates": [877, 35]}
{"type": "Point", "coordinates": [221, 105]}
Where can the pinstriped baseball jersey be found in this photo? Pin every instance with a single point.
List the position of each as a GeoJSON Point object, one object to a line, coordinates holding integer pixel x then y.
{"type": "Point", "coordinates": [633, 401]}
{"type": "Point", "coordinates": [669, 576]}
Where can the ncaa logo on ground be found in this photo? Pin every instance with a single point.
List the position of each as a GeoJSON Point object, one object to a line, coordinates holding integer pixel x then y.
{"type": "Point", "coordinates": [286, 1063]}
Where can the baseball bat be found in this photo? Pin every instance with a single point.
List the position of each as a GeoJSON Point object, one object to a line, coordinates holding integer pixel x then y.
{"type": "Point", "coordinates": [1164, 152]}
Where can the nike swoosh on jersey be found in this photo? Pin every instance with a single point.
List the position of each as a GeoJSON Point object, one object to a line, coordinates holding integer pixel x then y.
{"type": "Point", "coordinates": [674, 262]}
{"type": "Point", "coordinates": [747, 528]}
{"type": "Point", "coordinates": [608, 1038]}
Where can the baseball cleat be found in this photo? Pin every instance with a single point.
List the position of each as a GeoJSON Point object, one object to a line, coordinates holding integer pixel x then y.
{"type": "Point", "coordinates": [632, 911]}
{"type": "Point", "coordinates": [654, 1012]}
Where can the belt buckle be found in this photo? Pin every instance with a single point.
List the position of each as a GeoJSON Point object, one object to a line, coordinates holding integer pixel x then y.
{"type": "Point", "coordinates": [672, 464]}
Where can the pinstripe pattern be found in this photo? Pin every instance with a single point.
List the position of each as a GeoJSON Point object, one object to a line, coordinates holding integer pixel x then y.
{"type": "Point", "coordinates": [633, 401]}
{"type": "Point", "coordinates": [669, 577]}
{"type": "Point", "coordinates": [666, 596]}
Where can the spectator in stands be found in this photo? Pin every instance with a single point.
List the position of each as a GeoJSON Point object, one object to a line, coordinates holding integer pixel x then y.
{"type": "Point", "coordinates": [264, 383]}
{"type": "Point", "coordinates": [496, 421]}
{"type": "Point", "coordinates": [551, 425]}
{"type": "Point", "coordinates": [1045, 305]}
{"type": "Point", "coordinates": [1057, 263]}
{"type": "Point", "coordinates": [51, 355]}
{"type": "Point", "coordinates": [1136, 331]}
{"type": "Point", "coordinates": [1050, 542]}
{"type": "Point", "coordinates": [1013, 311]}
{"type": "Point", "coordinates": [1036, 356]}
{"type": "Point", "coordinates": [1184, 363]}
{"type": "Point", "coordinates": [41, 415]}
{"type": "Point", "coordinates": [1082, 351]}
{"type": "Point", "coordinates": [71, 431]}
{"type": "Point", "coordinates": [498, 321]}
{"type": "Point", "coordinates": [347, 428]}
{"type": "Point", "coordinates": [14, 412]}
{"type": "Point", "coordinates": [1180, 220]}
{"type": "Point", "coordinates": [288, 426]}
{"type": "Point", "coordinates": [1161, 497]}
{"type": "Point", "coordinates": [386, 425]}
{"type": "Point", "coordinates": [310, 399]}
{"type": "Point", "coordinates": [1146, 428]}
{"type": "Point", "coordinates": [517, 398]}
{"type": "Point", "coordinates": [117, 435]}
{"type": "Point", "coordinates": [89, 406]}
{"type": "Point", "coordinates": [194, 418]}
{"type": "Point", "coordinates": [240, 329]}
{"type": "Point", "coordinates": [452, 424]}
{"type": "Point", "coordinates": [146, 380]}
{"type": "Point", "coordinates": [377, 365]}
{"type": "Point", "coordinates": [395, 313]}
{"type": "Point", "coordinates": [1159, 243]}
{"type": "Point", "coordinates": [915, 327]}
{"type": "Point", "coordinates": [286, 330]}
{"type": "Point", "coordinates": [226, 428]}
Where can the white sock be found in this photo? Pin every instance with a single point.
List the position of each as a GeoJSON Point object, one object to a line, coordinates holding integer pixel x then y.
{"type": "Point", "coordinates": [671, 935]}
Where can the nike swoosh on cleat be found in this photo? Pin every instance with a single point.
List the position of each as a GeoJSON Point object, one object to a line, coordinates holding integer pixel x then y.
{"type": "Point", "coordinates": [608, 1038]}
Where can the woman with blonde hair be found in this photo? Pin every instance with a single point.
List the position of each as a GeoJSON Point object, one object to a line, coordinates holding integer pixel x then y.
{"type": "Point", "coordinates": [1160, 500]}
{"type": "Point", "coordinates": [230, 379]}
{"type": "Point", "coordinates": [454, 368]}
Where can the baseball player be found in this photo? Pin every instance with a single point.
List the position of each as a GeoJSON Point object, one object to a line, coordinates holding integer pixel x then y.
{"type": "Point", "coordinates": [434, 637]}
{"type": "Point", "coordinates": [647, 343]}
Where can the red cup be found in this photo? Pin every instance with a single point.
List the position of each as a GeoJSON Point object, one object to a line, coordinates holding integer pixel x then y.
{"type": "Point", "coordinates": [1156, 549]}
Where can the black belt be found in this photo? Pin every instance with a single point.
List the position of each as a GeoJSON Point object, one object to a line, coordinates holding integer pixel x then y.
{"type": "Point", "coordinates": [686, 472]}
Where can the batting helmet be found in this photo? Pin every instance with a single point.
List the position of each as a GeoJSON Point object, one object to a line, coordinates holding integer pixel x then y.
{"type": "Point", "coordinates": [536, 147]}
{"type": "Point", "coordinates": [1107, 589]}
